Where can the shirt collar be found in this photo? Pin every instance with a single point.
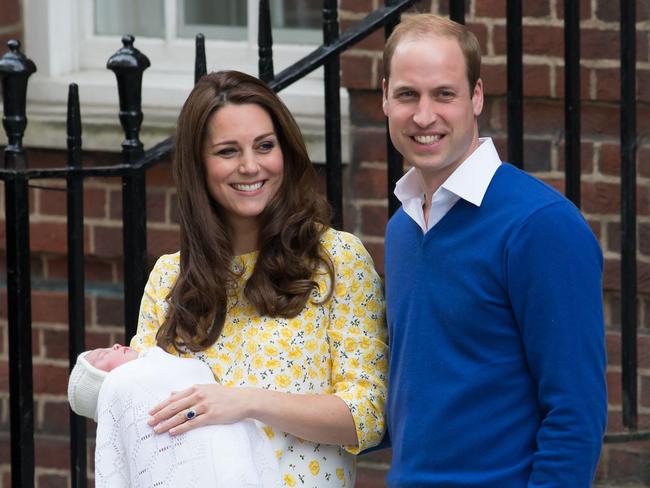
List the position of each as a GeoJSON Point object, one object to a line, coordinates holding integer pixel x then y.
{"type": "Point", "coordinates": [469, 181]}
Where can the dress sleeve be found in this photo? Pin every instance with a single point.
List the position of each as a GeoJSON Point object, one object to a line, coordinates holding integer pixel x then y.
{"type": "Point", "coordinates": [153, 307]}
{"type": "Point", "coordinates": [554, 267]}
{"type": "Point", "coordinates": [357, 336]}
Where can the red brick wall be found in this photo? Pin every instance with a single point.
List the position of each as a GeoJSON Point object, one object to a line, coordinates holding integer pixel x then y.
{"type": "Point", "coordinates": [365, 205]}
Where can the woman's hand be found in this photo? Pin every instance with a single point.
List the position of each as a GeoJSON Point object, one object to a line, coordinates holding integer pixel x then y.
{"type": "Point", "coordinates": [211, 404]}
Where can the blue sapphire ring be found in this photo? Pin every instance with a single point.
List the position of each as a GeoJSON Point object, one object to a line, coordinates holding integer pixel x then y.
{"type": "Point", "coordinates": [190, 414]}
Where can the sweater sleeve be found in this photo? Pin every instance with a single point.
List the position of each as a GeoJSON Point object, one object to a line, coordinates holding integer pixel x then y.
{"type": "Point", "coordinates": [553, 268]}
{"type": "Point", "coordinates": [357, 337]}
{"type": "Point", "coordinates": [153, 307]}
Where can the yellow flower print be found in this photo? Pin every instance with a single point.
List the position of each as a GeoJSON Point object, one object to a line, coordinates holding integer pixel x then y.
{"type": "Point", "coordinates": [340, 474]}
{"type": "Point", "coordinates": [309, 328]}
{"type": "Point", "coordinates": [238, 374]}
{"type": "Point", "coordinates": [289, 480]}
{"type": "Point", "coordinates": [365, 342]}
{"type": "Point", "coordinates": [310, 345]}
{"type": "Point", "coordinates": [239, 355]}
{"type": "Point", "coordinates": [295, 324]}
{"type": "Point", "coordinates": [278, 453]}
{"type": "Point", "coordinates": [272, 363]}
{"type": "Point", "coordinates": [286, 333]}
{"type": "Point", "coordinates": [296, 371]}
{"type": "Point", "coordinates": [252, 379]}
{"type": "Point", "coordinates": [295, 353]}
{"type": "Point", "coordinates": [340, 322]}
{"type": "Point", "coordinates": [270, 350]}
{"type": "Point", "coordinates": [282, 380]}
{"type": "Point", "coordinates": [359, 311]}
{"type": "Point", "coordinates": [314, 467]}
{"type": "Point", "coordinates": [284, 344]}
{"type": "Point", "coordinates": [268, 431]}
{"type": "Point", "coordinates": [251, 331]}
{"type": "Point", "coordinates": [258, 362]}
{"type": "Point", "coordinates": [149, 341]}
{"type": "Point", "coordinates": [349, 344]}
{"type": "Point", "coordinates": [354, 363]}
{"type": "Point", "coordinates": [310, 314]}
{"type": "Point", "coordinates": [251, 348]}
{"type": "Point", "coordinates": [341, 289]}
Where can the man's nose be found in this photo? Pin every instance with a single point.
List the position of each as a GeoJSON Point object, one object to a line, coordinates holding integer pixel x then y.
{"type": "Point", "coordinates": [425, 113]}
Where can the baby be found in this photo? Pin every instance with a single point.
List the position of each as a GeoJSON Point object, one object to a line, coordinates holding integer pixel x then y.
{"type": "Point", "coordinates": [117, 387]}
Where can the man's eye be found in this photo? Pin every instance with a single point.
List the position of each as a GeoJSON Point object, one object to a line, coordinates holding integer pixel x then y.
{"type": "Point", "coordinates": [447, 94]}
{"type": "Point", "coordinates": [406, 94]}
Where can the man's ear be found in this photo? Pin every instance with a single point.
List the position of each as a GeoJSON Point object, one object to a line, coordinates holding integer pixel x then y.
{"type": "Point", "coordinates": [384, 96]}
{"type": "Point", "coordinates": [477, 98]}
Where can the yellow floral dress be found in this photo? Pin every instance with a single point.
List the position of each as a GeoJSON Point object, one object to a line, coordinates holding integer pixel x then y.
{"type": "Point", "coordinates": [336, 347]}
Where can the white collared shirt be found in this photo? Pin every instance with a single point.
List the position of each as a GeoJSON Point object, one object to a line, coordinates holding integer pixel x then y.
{"type": "Point", "coordinates": [469, 181]}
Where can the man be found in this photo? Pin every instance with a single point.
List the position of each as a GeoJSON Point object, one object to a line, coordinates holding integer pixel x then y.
{"type": "Point", "coordinates": [493, 287]}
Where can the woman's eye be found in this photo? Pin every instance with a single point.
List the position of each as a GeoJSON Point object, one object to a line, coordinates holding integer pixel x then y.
{"type": "Point", "coordinates": [266, 146]}
{"type": "Point", "coordinates": [228, 151]}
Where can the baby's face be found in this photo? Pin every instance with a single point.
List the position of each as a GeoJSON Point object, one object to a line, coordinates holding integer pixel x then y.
{"type": "Point", "coordinates": [109, 358]}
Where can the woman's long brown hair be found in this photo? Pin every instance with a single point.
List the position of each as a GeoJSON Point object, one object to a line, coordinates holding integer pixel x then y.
{"type": "Point", "coordinates": [291, 225]}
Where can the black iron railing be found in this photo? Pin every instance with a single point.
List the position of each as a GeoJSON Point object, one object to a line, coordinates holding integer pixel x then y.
{"type": "Point", "coordinates": [129, 64]}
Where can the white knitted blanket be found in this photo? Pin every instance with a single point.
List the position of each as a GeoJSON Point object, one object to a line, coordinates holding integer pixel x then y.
{"type": "Point", "coordinates": [129, 454]}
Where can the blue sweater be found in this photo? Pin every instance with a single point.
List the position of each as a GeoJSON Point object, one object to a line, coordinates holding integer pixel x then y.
{"type": "Point", "coordinates": [497, 356]}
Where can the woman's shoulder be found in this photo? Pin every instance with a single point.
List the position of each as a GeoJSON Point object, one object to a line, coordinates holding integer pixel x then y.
{"type": "Point", "coordinates": [336, 240]}
{"type": "Point", "coordinates": [165, 270]}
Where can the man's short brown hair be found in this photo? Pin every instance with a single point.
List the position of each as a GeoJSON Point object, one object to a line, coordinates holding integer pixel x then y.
{"type": "Point", "coordinates": [429, 25]}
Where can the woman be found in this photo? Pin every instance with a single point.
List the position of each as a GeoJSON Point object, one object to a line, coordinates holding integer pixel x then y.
{"type": "Point", "coordinates": [287, 312]}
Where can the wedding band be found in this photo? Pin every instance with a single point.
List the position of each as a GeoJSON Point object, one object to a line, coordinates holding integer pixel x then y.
{"type": "Point", "coordinates": [190, 414]}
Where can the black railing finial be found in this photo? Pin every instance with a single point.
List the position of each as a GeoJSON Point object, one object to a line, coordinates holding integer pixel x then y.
{"type": "Point", "coordinates": [265, 43]}
{"type": "Point", "coordinates": [15, 69]}
{"type": "Point", "coordinates": [200, 64]}
{"type": "Point", "coordinates": [128, 64]}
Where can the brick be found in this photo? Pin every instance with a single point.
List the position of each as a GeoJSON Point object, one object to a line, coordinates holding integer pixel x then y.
{"type": "Point", "coordinates": [51, 480]}
{"type": "Point", "coordinates": [596, 228]}
{"type": "Point", "coordinates": [481, 33]}
{"type": "Point", "coordinates": [161, 242]}
{"type": "Point", "coordinates": [494, 78]}
{"type": "Point", "coordinates": [422, 6]}
{"type": "Point", "coordinates": [599, 44]}
{"type": "Point", "coordinates": [536, 9]}
{"type": "Point", "coordinates": [373, 220]}
{"type": "Point", "coordinates": [49, 306]}
{"type": "Point", "coordinates": [644, 238]}
{"type": "Point", "coordinates": [645, 391]}
{"type": "Point", "coordinates": [110, 311]}
{"type": "Point", "coordinates": [10, 12]}
{"type": "Point", "coordinates": [643, 85]}
{"type": "Point", "coordinates": [174, 216]}
{"type": "Point", "coordinates": [613, 345]}
{"type": "Point", "coordinates": [95, 202]}
{"type": "Point", "coordinates": [368, 144]}
{"type": "Point", "coordinates": [52, 202]}
{"type": "Point", "coordinates": [614, 388]}
{"type": "Point", "coordinates": [382, 456]}
{"type": "Point", "coordinates": [598, 120]}
{"type": "Point", "coordinates": [366, 108]}
{"type": "Point", "coordinates": [608, 84]}
{"type": "Point", "coordinates": [96, 339]}
{"type": "Point", "coordinates": [370, 183]}
{"type": "Point", "coordinates": [608, 11]}
{"type": "Point", "coordinates": [609, 161]}
{"type": "Point", "coordinates": [370, 478]}
{"type": "Point", "coordinates": [56, 418]}
{"type": "Point", "coordinates": [537, 80]}
{"type": "Point", "coordinates": [586, 157]}
{"type": "Point", "coordinates": [156, 205]}
{"type": "Point", "coordinates": [4, 377]}
{"type": "Point", "coordinates": [643, 162]}
{"type": "Point", "coordinates": [490, 8]}
{"type": "Point", "coordinates": [160, 175]}
{"type": "Point", "coordinates": [585, 82]}
{"type": "Point", "coordinates": [543, 40]}
{"type": "Point", "coordinates": [537, 155]}
{"type": "Point", "coordinates": [374, 42]}
{"type": "Point", "coordinates": [613, 237]}
{"type": "Point", "coordinates": [585, 9]}
{"type": "Point", "coordinates": [356, 72]}
{"type": "Point", "coordinates": [52, 453]}
{"type": "Point", "coordinates": [50, 379]}
{"type": "Point", "coordinates": [540, 116]}
{"type": "Point", "coordinates": [56, 343]}
{"type": "Point", "coordinates": [107, 241]}
{"type": "Point", "coordinates": [356, 6]}
{"type": "Point", "coordinates": [115, 205]}
{"type": "Point", "coordinates": [94, 269]}
{"type": "Point", "coordinates": [48, 237]}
